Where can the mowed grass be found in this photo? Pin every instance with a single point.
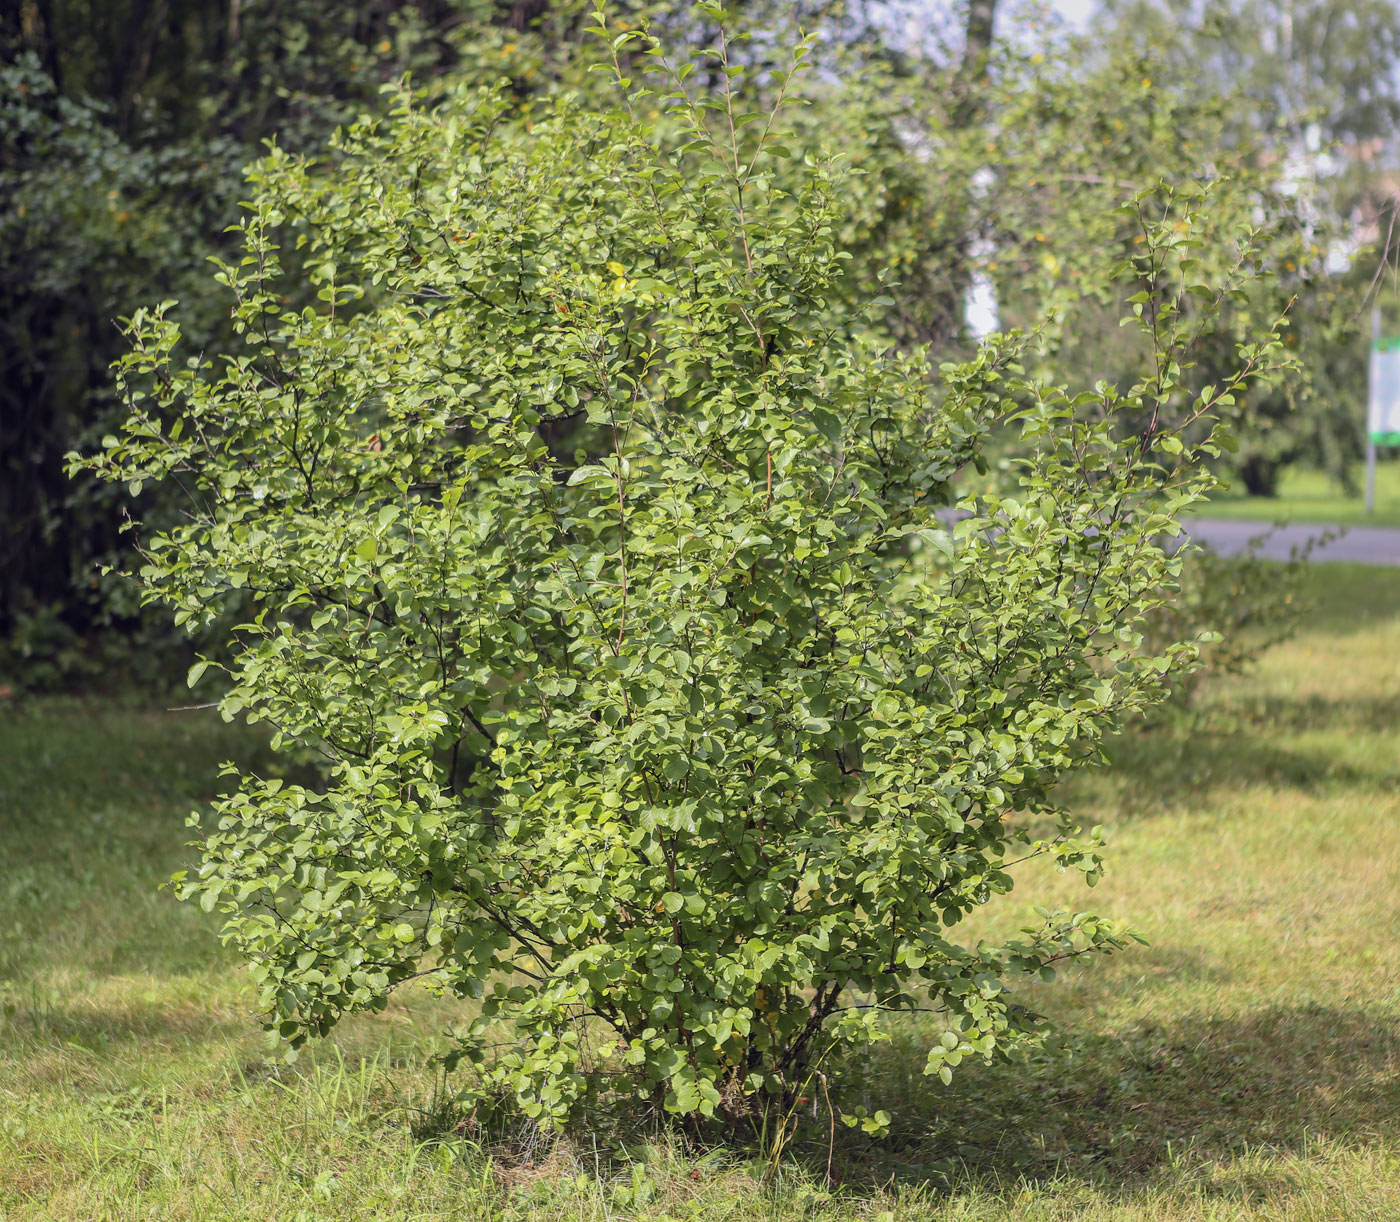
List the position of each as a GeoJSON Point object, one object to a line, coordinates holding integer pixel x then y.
{"type": "Point", "coordinates": [1245, 1065]}
{"type": "Point", "coordinates": [1310, 497]}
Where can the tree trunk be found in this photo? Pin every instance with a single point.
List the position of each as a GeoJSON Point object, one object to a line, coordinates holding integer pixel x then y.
{"type": "Point", "coordinates": [981, 14]}
{"type": "Point", "coordinates": [1260, 476]}
{"type": "Point", "coordinates": [521, 15]}
{"type": "Point", "coordinates": [947, 309]}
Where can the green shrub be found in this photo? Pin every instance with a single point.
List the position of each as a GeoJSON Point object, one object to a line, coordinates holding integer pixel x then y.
{"type": "Point", "coordinates": [661, 710]}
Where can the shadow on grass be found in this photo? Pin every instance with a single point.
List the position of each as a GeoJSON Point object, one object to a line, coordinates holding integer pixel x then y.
{"type": "Point", "coordinates": [59, 759]}
{"type": "Point", "coordinates": [1375, 714]}
{"type": "Point", "coordinates": [1344, 598]}
{"type": "Point", "coordinates": [1118, 1107]}
{"type": "Point", "coordinates": [1168, 770]}
{"type": "Point", "coordinates": [1161, 774]}
{"type": "Point", "coordinates": [37, 1022]}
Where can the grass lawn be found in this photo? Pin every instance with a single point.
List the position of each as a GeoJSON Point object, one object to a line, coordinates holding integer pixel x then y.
{"type": "Point", "coordinates": [1311, 497]}
{"type": "Point", "coordinates": [1244, 1066]}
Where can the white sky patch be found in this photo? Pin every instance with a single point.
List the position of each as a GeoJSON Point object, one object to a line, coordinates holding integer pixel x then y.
{"type": "Point", "coordinates": [1075, 12]}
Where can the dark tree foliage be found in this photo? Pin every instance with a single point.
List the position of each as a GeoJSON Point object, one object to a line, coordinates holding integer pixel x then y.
{"type": "Point", "coordinates": [124, 127]}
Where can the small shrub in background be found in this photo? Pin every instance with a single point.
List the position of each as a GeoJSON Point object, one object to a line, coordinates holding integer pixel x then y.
{"type": "Point", "coordinates": [661, 712]}
{"type": "Point", "coordinates": [1238, 606]}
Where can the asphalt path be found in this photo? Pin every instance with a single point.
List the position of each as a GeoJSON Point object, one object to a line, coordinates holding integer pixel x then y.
{"type": "Point", "coordinates": [1359, 544]}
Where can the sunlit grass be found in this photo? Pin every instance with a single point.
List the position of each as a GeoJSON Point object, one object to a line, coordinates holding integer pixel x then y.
{"type": "Point", "coordinates": [1306, 496]}
{"type": "Point", "coordinates": [1245, 1065]}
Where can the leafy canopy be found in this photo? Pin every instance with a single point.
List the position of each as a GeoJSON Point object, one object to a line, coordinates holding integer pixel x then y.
{"type": "Point", "coordinates": [662, 708]}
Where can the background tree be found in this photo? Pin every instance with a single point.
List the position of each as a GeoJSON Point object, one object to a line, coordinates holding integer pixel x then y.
{"type": "Point", "coordinates": [1315, 83]}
